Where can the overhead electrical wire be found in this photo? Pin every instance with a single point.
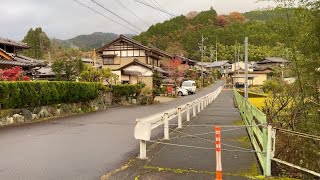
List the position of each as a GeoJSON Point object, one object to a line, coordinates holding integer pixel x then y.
{"type": "Point", "coordinates": [158, 5]}
{"type": "Point", "coordinates": [154, 4]}
{"type": "Point", "coordinates": [123, 5]}
{"type": "Point", "coordinates": [156, 8]}
{"type": "Point", "coordinates": [159, 15]}
{"type": "Point", "coordinates": [116, 15]}
{"type": "Point", "coordinates": [106, 16]}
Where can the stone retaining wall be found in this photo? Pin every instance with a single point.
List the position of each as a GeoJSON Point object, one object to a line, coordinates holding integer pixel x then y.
{"type": "Point", "coordinates": [27, 115]}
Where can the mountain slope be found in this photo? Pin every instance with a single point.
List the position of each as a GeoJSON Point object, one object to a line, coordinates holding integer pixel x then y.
{"type": "Point", "coordinates": [89, 42]}
{"type": "Point", "coordinates": [182, 34]}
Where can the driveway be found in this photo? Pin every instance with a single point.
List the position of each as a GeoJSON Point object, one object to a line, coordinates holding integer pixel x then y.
{"type": "Point", "coordinates": [78, 147]}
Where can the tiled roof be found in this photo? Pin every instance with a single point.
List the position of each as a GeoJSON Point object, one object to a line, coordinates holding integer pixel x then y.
{"type": "Point", "coordinates": [273, 60]}
{"type": "Point", "coordinates": [13, 63]}
{"type": "Point", "coordinates": [122, 37]}
{"type": "Point", "coordinates": [13, 43]}
{"type": "Point", "coordinates": [19, 60]}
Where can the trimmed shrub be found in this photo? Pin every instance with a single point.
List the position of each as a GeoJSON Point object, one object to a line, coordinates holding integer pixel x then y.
{"type": "Point", "coordinates": [32, 94]}
{"type": "Point", "coordinates": [127, 90]}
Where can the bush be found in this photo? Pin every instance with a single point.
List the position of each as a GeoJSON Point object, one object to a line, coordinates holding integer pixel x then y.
{"type": "Point", "coordinates": [127, 89]}
{"type": "Point", "coordinates": [31, 94]}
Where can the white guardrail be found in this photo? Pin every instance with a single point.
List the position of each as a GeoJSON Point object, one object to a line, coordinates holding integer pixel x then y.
{"type": "Point", "coordinates": [144, 126]}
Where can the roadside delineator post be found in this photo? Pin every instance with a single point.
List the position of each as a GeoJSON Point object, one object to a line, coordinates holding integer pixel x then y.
{"type": "Point", "coordinates": [166, 126]}
{"type": "Point", "coordinates": [218, 153]}
{"type": "Point", "coordinates": [188, 112]}
{"type": "Point", "coordinates": [179, 118]}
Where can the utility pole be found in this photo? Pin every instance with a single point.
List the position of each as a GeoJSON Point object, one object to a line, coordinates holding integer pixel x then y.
{"type": "Point", "coordinates": [216, 51]}
{"type": "Point", "coordinates": [202, 49]}
{"type": "Point", "coordinates": [211, 53]}
{"type": "Point", "coordinates": [246, 68]}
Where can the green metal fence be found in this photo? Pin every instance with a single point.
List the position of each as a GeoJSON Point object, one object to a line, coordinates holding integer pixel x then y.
{"type": "Point", "coordinates": [256, 122]}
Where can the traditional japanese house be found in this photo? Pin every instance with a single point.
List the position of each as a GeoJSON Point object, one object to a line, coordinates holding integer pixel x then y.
{"type": "Point", "coordinates": [132, 61]}
{"type": "Point", "coordinates": [9, 56]}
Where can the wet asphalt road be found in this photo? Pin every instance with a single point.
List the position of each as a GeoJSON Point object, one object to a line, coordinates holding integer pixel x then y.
{"type": "Point", "coordinates": [80, 147]}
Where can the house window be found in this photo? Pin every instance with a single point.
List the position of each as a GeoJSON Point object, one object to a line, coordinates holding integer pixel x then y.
{"type": "Point", "coordinates": [108, 60]}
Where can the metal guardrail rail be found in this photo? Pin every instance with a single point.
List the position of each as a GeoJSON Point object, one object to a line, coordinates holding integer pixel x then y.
{"type": "Point", "coordinates": [258, 131]}
{"type": "Point", "coordinates": [145, 125]}
{"type": "Point", "coordinates": [263, 136]}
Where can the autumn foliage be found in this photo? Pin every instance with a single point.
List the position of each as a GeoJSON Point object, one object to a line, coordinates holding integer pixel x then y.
{"type": "Point", "coordinates": [13, 74]}
{"type": "Point", "coordinates": [176, 70]}
{"type": "Point", "coordinates": [236, 17]}
{"type": "Point", "coordinates": [221, 20]}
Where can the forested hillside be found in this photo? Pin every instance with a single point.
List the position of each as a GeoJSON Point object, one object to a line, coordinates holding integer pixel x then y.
{"type": "Point", "coordinates": [182, 34]}
{"type": "Point", "coordinates": [88, 42]}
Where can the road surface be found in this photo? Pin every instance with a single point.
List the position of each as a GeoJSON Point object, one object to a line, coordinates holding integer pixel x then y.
{"type": "Point", "coordinates": [82, 147]}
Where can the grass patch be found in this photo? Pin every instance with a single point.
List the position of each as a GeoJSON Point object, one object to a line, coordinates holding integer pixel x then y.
{"type": "Point", "coordinates": [238, 123]}
{"type": "Point", "coordinates": [245, 142]}
{"type": "Point", "coordinates": [177, 171]}
{"type": "Point", "coordinates": [257, 102]}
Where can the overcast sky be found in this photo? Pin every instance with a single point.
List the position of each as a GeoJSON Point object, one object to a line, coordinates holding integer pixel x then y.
{"type": "Point", "coordinates": [65, 19]}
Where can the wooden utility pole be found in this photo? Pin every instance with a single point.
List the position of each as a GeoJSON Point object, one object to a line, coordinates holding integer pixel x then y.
{"type": "Point", "coordinates": [246, 68]}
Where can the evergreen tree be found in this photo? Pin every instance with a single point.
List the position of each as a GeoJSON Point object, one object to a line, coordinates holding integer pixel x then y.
{"type": "Point", "coordinates": [39, 43]}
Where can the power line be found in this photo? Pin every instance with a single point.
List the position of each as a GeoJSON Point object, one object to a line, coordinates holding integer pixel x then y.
{"type": "Point", "coordinates": [144, 3]}
{"type": "Point", "coordinates": [116, 14]}
{"type": "Point", "coordinates": [160, 15]}
{"type": "Point", "coordinates": [155, 5]}
{"type": "Point", "coordinates": [105, 16]}
{"type": "Point", "coordinates": [123, 5]}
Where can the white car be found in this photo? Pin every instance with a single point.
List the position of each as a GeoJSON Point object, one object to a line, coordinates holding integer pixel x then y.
{"type": "Point", "coordinates": [190, 86]}
{"type": "Point", "coordinates": [182, 92]}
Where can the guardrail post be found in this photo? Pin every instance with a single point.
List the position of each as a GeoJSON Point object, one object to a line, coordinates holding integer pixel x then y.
{"type": "Point", "coordinates": [179, 118]}
{"type": "Point", "coordinates": [143, 149]}
{"type": "Point", "coordinates": [205, 101]}
{"type": "Point", "coordinates": [166, 126]}
{"type": "Point", "coordinates": [194, 113]}
{"type": "Point", "coordinates": [202, 103]}
{"type": "Point", "coordinates": [188, 112]}
{"type": "Point", "coordinates": [199, 104]}
{"type": "Point", "coordinates": [267, 171]}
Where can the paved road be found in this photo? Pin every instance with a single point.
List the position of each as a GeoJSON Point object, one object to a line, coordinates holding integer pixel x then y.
{"type": "Point", "coordinates": [78, 147]}
{"type": "Point", "coordinates": [194, 163]}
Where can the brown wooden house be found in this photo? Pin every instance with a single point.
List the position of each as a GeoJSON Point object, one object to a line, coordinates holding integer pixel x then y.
{"type": "Point", "coordinates": [132, 61]}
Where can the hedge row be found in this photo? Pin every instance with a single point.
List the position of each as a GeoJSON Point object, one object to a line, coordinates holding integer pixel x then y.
{"type": "Point", "coordinates": [127, 89]}
{"type": "Point", "coordinates": [32, 94]}
{"type": "Point", "coordinates": [253, 95]}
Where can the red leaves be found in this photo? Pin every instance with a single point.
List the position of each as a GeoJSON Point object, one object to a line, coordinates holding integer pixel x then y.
{"type": "Point", "coordinates": [176, 69]}
{"type": "Point", "coordinates": [222, 21]}
{"type": "Point", "coordinates": [12, 74]}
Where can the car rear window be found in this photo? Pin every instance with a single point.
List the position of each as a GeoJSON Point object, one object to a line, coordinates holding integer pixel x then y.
{"type": "Point", "coordinates": [186, 83]}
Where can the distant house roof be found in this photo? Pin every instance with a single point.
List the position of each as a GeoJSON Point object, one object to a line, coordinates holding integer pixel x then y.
{"type": "Point", "coordinates": [218, 64]}
{"type": "Point", "coordinates": [19, 60]}
{"type": "Point", "coordinates": [270, 60]}
{"type": "Point", "coordinates": [124, 38]}
{"type": "Point", "coordinates": [43, 71]}
{"type": "Point", "coordinates": [137, 62]}
{"type": "Point", "coordinates": [185, 60]}
{"type": "Point", "coordinates": [241, 71]}
{"type": "Point", "coordinates": [10, 42]}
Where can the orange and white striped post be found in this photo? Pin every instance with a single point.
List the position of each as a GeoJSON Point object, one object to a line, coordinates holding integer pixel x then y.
{"type": "Point", "coordinates": [218, 153]}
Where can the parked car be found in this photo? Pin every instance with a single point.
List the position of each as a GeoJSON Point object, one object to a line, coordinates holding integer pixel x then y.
{"type": "Point", "coordinates": [182, 91]}
{"type": "Point", "coordinates": [190, 86]}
